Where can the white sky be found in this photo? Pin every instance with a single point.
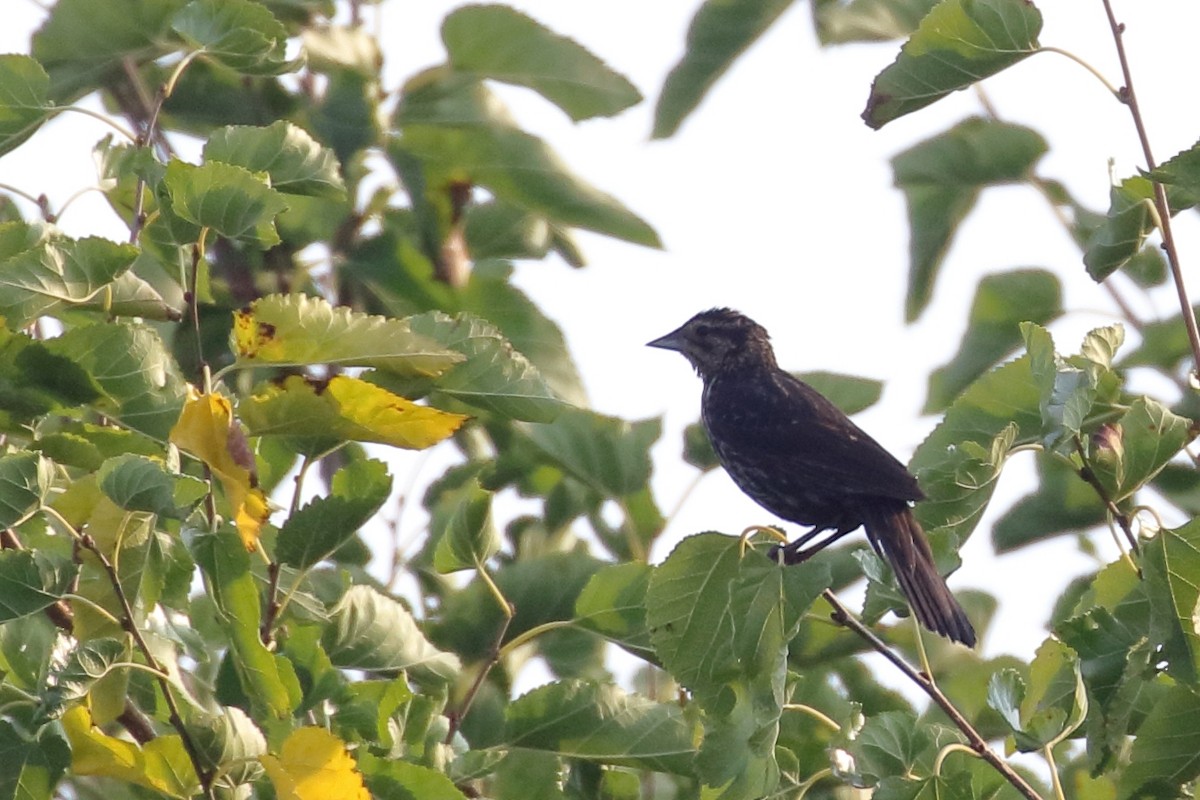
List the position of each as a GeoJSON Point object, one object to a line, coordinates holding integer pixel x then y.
{"type": "Point", "coordinates": [777, 200]}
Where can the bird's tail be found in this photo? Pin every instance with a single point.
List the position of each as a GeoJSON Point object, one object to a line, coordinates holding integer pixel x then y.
{"type": "Point", "coordinates": [898, 537]}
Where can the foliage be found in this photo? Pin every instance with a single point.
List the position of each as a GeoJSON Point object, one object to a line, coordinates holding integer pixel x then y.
{"type": "Point", "coordinates": [329, 281]}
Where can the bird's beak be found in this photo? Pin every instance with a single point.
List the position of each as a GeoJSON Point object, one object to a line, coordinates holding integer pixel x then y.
{"type": "Point", "coordinates": [672, 341]}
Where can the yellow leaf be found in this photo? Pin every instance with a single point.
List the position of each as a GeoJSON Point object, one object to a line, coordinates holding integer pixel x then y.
{"type": "Point", "coordinates": [208, 431]}
{"type": "Point", "coordinates": [162, 765]}
{"type": "Point", "coordinates": [298, 329]}
{"type": "Point", "coordinates": [346, 408]}
{"type": "Point", "coordinates": [314, 765]}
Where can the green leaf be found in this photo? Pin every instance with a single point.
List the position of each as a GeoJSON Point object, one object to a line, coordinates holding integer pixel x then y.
{"type": "Point", "coordinates": [338, 48]}
{"type": "Point", "coordinates": [296, 163]}
{"type": "Point", "coordinates": [521, 169]}
{"type": "Point", "coordinates": [470, 538]}
{"type": "Point", "coordinates": [1166, 753]}
{"type": "Point", "coordinates": [493, 376]}
{"type": "Point", "coordinates": [959, 462]}
{"type": "Point", "coordinates": [58, 274]}
{"type": "Point", "coordinates": [231, 742]}
{"type": "Point", "coordinates": [228, 199]}
{"type": "Point", "coordinates": [239, 34]}
{"type": "Point", "coordinates": [500, 43]}
{"type": "Point", "coordinates": [131, 296]}
{"type": "Point", "coordinates": [1047, 709]}
{"type": "Point", "coordinates": [315, 531]}
{"type": "Point", "coordinates": [959, 43]}
{"type": "Point", "coordinates": [267, 679]}
{"type": "Point", "coordinates": [524, 774]}
{"type": "Point", "coordinates": [490, 294]}
{"type": "Point", "coordinates": [1130, 219]}
{"type": "Point", "coordinates": [501, 230]}
{"type": "Point", "coordinates": [1181, 171]}
{"type": "Point", "coordinates": [608, 454]}
{"type": "Point", "coordinates": [371, 631]}
{"type": "Point", "coordinates": [83, 44]}
{"type": "Point", "coordinates": [135, 370]}
{"type": "Point", "coordinates": [1074, 389]}
{"type": "Point", "coordinates": [347, 118]}
{"type": "Point", "coordinates": [1149, 436]}
{"type": "Point", "coordinates": [841, 22]}
{"type": "Point", "coordinates": [137, 483]}
{"type": "Point", "coordinates": [697, 448]}
{"type": "Point", "coordinates": [1171, 561]}
{"type": "Point", "coordinates": [599, 722]}
{"type": "Point", "coordinates": [715, 615]}
{"type": "Point", "coordinates": [720, 31]}
{"type": "Point", "coordinates": [941, 179]}
{"type": "Point", "coordinates": [24, 99]}
{"type": "Point", "coordinates": [34, 381]}
{"type": "Point", "coordinates": [1005, 694]}
{"type": "Point", "coordinates": [1062, 503]}
{"type": "Point", "coordinates": [25, 481]}
{"type": "Point", "coordinates": [370, 707]}
{"type": "Point", "coordinates": [31, 765]}
{"type": "Point", "coordinates": [850, 393]}
{"type": "Point", "coordinates": [1115, 658]}
{"type": "Point", "coordinates": [87, 665]}
{"type": "Point", "coordinates": [890, 744]}
{"type": "Point", "coordinates": [31, 581]}
{"type": "Point", "coordinates": [612, 604]}
{"type": "Point", "coordinates": [294, 330]}
{"type": "Point", "coordinates": [1002, 301]}
{"type": "Point", "coordinates": [394, 779]}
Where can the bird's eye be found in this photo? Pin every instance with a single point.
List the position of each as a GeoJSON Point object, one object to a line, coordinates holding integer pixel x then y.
{"type": "Point", "coordinates": [703, 331]}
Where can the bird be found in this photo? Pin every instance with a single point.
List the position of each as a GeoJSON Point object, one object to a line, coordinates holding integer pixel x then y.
{"type": "Point", "coordinates": [798, 456]}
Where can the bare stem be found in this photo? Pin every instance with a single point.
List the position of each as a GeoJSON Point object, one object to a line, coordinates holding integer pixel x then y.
{"type": "Point", "coordinates": [1129, 97]}
{"type": "Point", "coordinates": [1095, 72]}
{"type": "Point", "coordinates": [842, 616]}
{"type": "Point", "coordinates": [493, 657]}
{"type": "Point", "coordinates": [1122, 519]}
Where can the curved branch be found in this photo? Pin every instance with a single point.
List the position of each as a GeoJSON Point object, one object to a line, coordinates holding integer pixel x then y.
{"type": "Point", "coordinates": [842, 616]}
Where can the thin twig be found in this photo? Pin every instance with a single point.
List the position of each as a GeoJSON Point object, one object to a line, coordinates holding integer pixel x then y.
{"type": "Point", "coordinates": [842, 616]}
{"type": "Point", "coordinates": [493, 658]}
{"type": "Point", "coordinates": [1089, 476]}
{"type": "Point", "coordinates": [1129, 97]}
{"type": "Point", "coordinates": [203, 772]}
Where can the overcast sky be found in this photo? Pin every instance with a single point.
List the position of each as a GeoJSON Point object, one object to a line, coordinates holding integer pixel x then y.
{"type": "Point", "coordinates": [777, 200]}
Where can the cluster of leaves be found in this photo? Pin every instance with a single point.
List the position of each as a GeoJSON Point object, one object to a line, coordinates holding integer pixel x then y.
{"type": "Point", "coordinates": [323, 280]}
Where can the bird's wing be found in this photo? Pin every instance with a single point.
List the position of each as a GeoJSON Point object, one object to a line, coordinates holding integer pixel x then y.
{"type": "Point", "coordinates": [791, 425]}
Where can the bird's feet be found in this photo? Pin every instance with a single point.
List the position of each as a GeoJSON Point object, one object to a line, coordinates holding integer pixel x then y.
{"type": "Point", "coordinates": [791, 553]}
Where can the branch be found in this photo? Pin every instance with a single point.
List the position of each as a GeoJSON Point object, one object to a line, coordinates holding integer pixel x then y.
{"type": "Point", "coordinates": [1129, 97]}
{"type": "Point", "coordinates": [1090, 478]}
{"type": "Point", "coordinates": [842, 616]}
{"type": "Point", "coordinates": [85, 541]}
{"type": "Point", "coordinates": [493, 657]}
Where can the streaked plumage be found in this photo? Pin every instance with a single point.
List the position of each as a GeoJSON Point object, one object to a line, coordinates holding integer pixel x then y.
{"type": "Point", "coordinates": [797, 455]}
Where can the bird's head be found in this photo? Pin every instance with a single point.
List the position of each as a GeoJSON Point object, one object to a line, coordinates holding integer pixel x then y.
{"type": "Point", "coordinates": [719, 339]}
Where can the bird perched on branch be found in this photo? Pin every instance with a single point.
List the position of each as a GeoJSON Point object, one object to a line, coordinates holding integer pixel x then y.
{"type": "Point", "coordinates": [798, 456]}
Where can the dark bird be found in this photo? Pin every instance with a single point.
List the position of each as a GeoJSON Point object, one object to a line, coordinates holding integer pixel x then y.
{"type": "Point", "coordinates": [795, 454]}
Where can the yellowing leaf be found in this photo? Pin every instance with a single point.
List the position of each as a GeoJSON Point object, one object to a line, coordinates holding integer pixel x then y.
{"type": "Point", "coordinates": [298, 329]}
{"type": "Point", "coordinates": [314, 765]}
{"type": "Point", "coordinates": [208, 431]}
{"type": "Point", "coordinates": [346, 408]}
{"type": "Point", "coordinates": [162, 765]}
